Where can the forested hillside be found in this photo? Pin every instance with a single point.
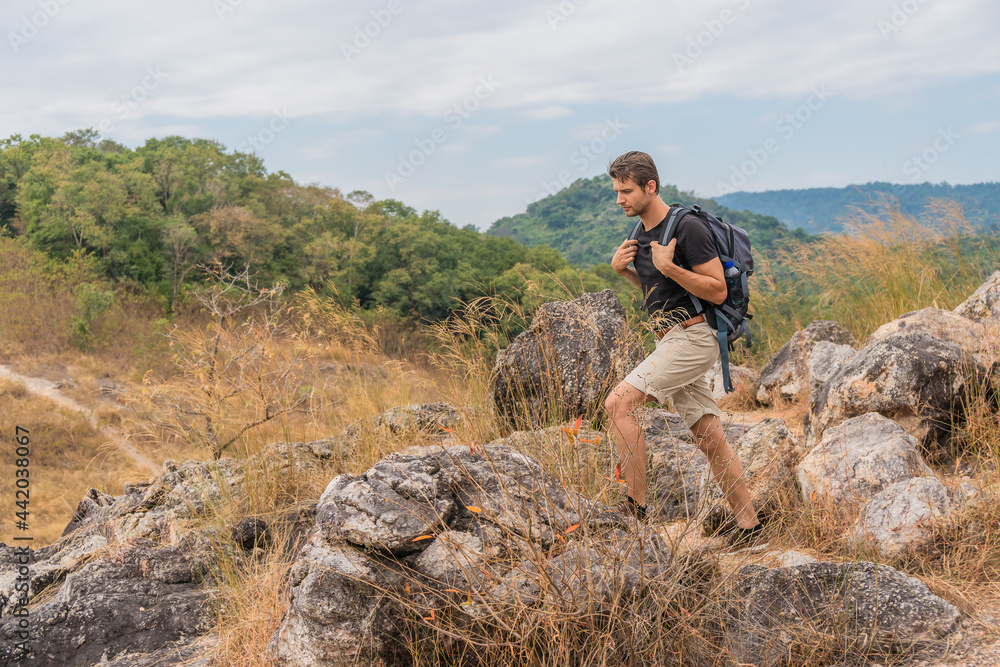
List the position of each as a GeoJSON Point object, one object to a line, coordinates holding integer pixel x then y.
{"type": "Point", "coordinates": [585, 225]}
{"type": "Point", "coordinates": [147, 218]}
{"type": "Point", "coordinates": [823, 209]}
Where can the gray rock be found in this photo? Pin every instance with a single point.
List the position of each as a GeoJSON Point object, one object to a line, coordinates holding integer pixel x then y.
{"type": "Point", "coordinates": [949, 326]}
{"type": "Point", "coordinates": [427, 418]}
{"type": "Point", "coordinates": [900, 520]}
{"type": "Point", "coordinates": [136, 599]}
{"type": "Point", "coordinates": [858, 459]}
{"type": "Point", "coordinates": [823, 361]}
{"type": "Point", "coordinates": [984, 304]}
{"type": "Point", "coordinates": [567, 361]}
{"type": "Point", "coordinates": [593, 570]}
{"type": "Point", "coordinates": [787, 375]}
{"type": "Point", "coordinates": [915, 379]}
{"type": "Point", "coordinates": [339, 614]}
{"type": "Point", "coordinates": [740, 376]}
{"type": "Point", "coordinates": [251, 533]}
{"type": "Point", "coordinates": [819, 612]}
{"type": "Point", "coordinates": [769, 454]}
{"type": "Point", "coordinates": [404, 497]}
{"type": "Point", "coordinates": [418, 528]}
{"type": "Point", "coordinates": [196, 652]}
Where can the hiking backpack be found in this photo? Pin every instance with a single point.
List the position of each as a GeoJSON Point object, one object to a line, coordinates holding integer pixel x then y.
{"type": "Point", "coordinates": [730, 318]}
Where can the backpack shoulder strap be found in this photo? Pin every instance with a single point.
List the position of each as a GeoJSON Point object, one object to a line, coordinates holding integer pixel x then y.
{"type": "Point", "coordinates": [635, 232]}
{"type": "Point", "coordinates": [676, 213]}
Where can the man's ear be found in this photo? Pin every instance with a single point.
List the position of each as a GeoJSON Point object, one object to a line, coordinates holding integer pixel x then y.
{"type": "Point", "coordinates": [650, 187]}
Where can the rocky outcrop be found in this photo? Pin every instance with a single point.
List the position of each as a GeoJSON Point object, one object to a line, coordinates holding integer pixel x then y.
{"type": "Point", "coordinates": [944, 324]}
{"type": "Point", "coordinates": [984, 304]}
{"type": "Point", "coordinates": [135, 598]}
{"type": "Point", "coordinates": [819, 613]}
{"type": "Point", "coordinates": [901, 519]}
{"type": "Point", "coordinates": [769, 454]}
{"type": "Point", "coordinates": [422, 529]}
{"type": "Point", "coordinates": [789, 373]}
{"type": "Point", "coordinates": [427, 418]}
{"type": "Point", "coordinates": [567, 361]}
{"type": "Point", "coordinates": [915, 379]}
{"type": "Point", "coordinates": [858, 459]}
{"type": "Point", "coordinates": [129, 583]}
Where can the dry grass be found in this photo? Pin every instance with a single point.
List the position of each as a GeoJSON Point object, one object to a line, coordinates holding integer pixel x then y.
{"type": "Point", "coordinates": [68, 457]}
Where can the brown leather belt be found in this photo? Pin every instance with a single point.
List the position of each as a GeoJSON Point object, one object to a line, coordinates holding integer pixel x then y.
{"type": "Point", "coordinates": [684, 325]}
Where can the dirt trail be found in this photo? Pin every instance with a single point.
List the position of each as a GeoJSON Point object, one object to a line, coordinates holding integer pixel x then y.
{"type": "Point", "coordinates": [43, 387]}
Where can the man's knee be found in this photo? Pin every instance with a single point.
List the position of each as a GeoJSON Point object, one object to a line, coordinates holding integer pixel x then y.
{"type": "Point", "coordinates": [622, 400]}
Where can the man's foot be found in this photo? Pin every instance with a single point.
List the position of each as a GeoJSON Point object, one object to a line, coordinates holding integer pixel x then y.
{"type": "Point", "coordinates": [742, 538]}
{"type": "Point", "coordinates": [632, 509]}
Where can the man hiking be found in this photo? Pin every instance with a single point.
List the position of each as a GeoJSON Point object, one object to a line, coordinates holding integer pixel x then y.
{"type": "Point", "coordinates": [687, 346]}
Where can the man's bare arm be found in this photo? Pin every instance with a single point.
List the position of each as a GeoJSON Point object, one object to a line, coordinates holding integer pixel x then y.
{"type": "Point", "coordinates": [706, 281]}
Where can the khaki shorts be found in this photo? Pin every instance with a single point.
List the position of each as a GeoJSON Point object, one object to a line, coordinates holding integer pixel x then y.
{"type": "Point", "coordinates": [676, 371]}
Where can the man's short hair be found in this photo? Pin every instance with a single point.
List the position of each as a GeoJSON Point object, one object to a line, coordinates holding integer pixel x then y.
{"type": "Point", "coordinates": [637, 166]}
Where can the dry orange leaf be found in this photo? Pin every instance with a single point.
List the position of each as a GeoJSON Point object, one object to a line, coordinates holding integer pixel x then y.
{"type": "Point", "coordinates": [445, 428]}
{"type": "Point", "coordinates": [429, 618]}
{"type": "Point", "coordinates": [451, 590]}
{"type": "Point", "coordinates": [473, 508]}
{"type": "Point", "coordinates": [423, 537]}
{"type": "Point", "coordinates": [813, 496]}
{"type": "Point", "coordinates": [571, 528]}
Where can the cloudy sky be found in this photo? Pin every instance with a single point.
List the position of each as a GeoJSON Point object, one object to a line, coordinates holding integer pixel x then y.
{"type": "Point", "coordinates": [476, 109]}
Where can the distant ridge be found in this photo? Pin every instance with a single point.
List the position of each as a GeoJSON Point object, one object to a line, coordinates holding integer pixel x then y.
{"type": "Point", "coordinates": [585, 225]}
{"type": "Point", "coordinates": [822, 209]}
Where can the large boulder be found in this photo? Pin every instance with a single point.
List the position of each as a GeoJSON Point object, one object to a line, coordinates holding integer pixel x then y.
{"type": "Point", "coordinates": [130, 582]}
{"type": "Point", "coordinates": [984, 304]}
{"type": "Point", "coordinates": [901, 519]}
{"type": "Point", "coordinates": [567, 361]}
{"type": "Point", "coordinates": [967, 334]}
{"type": "Point", "coordinates": [418, 532]}
{"type": "Point", "coordinates": [788, 374]}
{"type": "Point", "coordinates": [819, 613]}
{"type": "Point", "coordinates": [916, 379]}
{"type": "Point", "coordinates": [857, 459]}
{"type": "Point", "coordinates": [769, 454]}
{"type": "Point", "coordinates": [137, 598]}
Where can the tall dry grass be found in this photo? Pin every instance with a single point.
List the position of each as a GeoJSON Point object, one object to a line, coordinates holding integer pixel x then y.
{"type": "Point", "coordinates": [886, 263]}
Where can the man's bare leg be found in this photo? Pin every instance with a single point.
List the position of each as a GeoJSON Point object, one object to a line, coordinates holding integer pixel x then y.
{"type": "Point", "coordinates": [726, 468]}
{"type": "Point", "coordinates": [629, 439]}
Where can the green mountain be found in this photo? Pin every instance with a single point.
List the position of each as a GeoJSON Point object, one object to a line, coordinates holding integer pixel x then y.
{"type": "Point", "coordinates": [824, 209]}
{"type": "Point", "coordinates": [585, 225]}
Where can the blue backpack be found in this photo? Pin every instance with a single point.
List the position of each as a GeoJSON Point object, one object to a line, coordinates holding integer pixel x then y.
{"type": "Point", "coordinates": [730, 318]}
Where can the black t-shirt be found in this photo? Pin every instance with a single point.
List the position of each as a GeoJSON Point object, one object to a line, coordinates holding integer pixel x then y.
{"type": "Point", "coordinates": [695, 245]}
